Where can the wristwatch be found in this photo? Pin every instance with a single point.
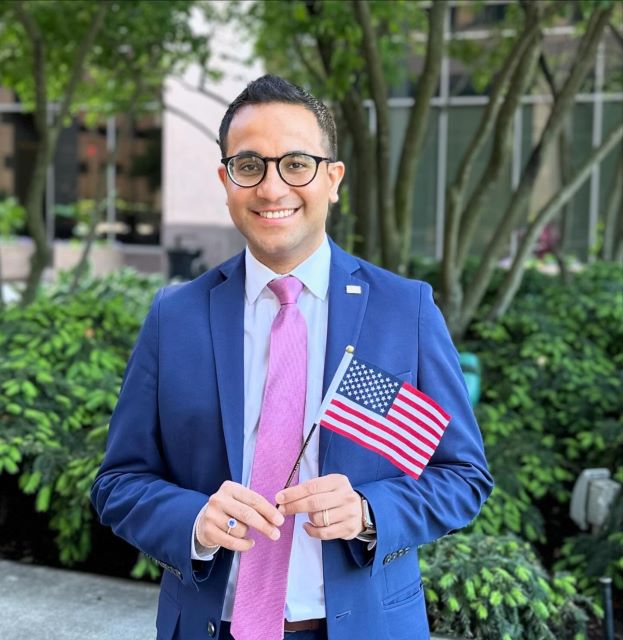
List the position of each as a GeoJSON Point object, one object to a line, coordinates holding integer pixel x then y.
{"type": "Point", "coordinates": [368, 524]}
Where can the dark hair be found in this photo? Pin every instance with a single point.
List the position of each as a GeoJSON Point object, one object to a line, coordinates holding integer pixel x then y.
{"type": "Point", "coordinates": [271, 88]}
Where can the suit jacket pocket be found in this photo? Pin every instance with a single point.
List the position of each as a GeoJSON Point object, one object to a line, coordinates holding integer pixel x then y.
{"type": "Point", "coordinates": [411, 592]}
{"type": "Point", "coordinates": [405, 376]}
{"type": "Point", "coordinates": [405, 614]}
{"type": "Point", "coordinates": [168, 616]}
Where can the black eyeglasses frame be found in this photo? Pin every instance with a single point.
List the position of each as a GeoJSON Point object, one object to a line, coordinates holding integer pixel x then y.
{"type": "Point", "coordinates": [276, 160]}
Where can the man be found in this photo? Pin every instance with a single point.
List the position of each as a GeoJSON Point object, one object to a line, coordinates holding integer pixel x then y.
{"type": "Point", "coordinates": [223, 386]}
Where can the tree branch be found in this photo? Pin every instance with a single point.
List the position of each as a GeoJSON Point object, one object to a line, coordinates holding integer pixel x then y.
{"type": "Point", "coordinates": [202, 90]}
{"type": "Point", "coordinates": [513, 278]}
{"type": "Point", "coordinates": [192, 121]}
{"type": "Point", "coordinates": [456, 192]}
{"type": "Point", "coordinates": [498, 159]}
{"type": "Point", "coordinates": [615, 32]}
{"type": "Point", "coordinates": [583, 62]}
{"type": "Point", "coordinates": [38, 58]}
{"type": "Point", "coordinates": [77, 69]}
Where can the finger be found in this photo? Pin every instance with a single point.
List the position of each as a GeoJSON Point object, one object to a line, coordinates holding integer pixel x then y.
{"type": "Point", "coordinates": [327, 517]}
{"type": "Point", "coordinates": [333, 532]}
{"type": "Point", "coordinates": [221, 538]}
{"type": "Point", "coordinates": [210, 534]}
{"type": "Point", "coordinates": [322, 484]}
{"type": "Point", "coordinates": [248, 515]}
{"type": "Point", "coordinates": [258, 503]}
{"type": "Point", "coordinates": [238, 530]}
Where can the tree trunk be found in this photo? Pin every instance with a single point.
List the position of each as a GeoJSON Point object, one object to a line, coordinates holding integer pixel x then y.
{"type": "Point", "coordinates": [384, 196]}
{"type": "Point", "coordinates": [416, 130]}
{"type": "Point", "coordinates": [582, 64]}
{"type": "Point", "coordinates": [500, 153]}
{"type": "Point", "coordinates": [451, 287]}
{"type": "Point", "coordinates": [48, 134]}
{"type": "Point", "coordinates": [42, 255]}
{"type": "Point", "coordinates": [355, 116]}
{"type": "Point", "coordinates": [513, 278]}
{"type": "Point", "coordinates": [614, 213]}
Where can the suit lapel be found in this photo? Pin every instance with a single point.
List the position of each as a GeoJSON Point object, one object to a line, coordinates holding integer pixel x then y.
{"type": "Point", "coordinates": [346, 312]}
{"type": "Point", "coordinates": [227, 322]}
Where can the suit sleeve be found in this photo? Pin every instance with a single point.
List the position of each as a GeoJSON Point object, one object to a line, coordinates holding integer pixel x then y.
{"type": "Point", "coordinates": [456, 482]}
{"type": "Point", "coordinates": [131, 492]}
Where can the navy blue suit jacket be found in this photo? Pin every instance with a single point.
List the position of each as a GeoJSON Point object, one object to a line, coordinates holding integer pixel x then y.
{"type": "Point", "coordinates": [177, 434]}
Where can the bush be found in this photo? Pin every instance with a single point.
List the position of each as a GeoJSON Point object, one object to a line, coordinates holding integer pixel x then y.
{"type": "Point", "coordinates": [494, 588]}
{"type": "Point", "coordinates": [63, 358]}
{"type": "Point", "coordinates": [552, 406]}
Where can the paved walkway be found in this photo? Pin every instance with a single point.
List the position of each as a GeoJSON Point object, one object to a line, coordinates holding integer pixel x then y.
{"type": "Point", "coordinates": [57, 604]}
{"type": "Point", "coordinates": [54, 604]}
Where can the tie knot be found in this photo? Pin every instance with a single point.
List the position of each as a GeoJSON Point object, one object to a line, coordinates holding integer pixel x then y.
{"type": "Point", "coordinates": [286, 289]}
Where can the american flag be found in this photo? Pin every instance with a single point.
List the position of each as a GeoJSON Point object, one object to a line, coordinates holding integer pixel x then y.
{"type": "Point", "coordinates": [384, 414]}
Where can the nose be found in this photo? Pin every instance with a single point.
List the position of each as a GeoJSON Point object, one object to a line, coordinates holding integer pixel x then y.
{"type": "Point", "coordinates": [272, 186]}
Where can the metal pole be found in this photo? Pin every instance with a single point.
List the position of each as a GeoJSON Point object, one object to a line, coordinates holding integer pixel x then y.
{"type": "Point", "coordinates": [516, 167]}
{"type": "Point", "coordinates": [598, 118]}
{"type": "Point", "coordinates": [606, 590]}
{"type": "Point", "coordinates": [111, 175]}
{"type": "Point", "coordinates": [442, 142]}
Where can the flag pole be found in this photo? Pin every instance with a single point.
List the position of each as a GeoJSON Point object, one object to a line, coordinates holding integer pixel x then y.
{"type": "Point", "coordinates": [337, 378]}
{"type": "Point", "coordinates": [301, 454]}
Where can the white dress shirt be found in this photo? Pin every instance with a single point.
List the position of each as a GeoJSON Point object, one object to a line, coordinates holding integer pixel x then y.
{"type": "Point", "coordinates": [305, 594]}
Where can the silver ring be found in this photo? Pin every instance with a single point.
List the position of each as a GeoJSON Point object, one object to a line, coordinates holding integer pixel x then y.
{"type": "Point", "coordinates": [231, 524]}
{"type": "Point", "coordinates": [325, 517]}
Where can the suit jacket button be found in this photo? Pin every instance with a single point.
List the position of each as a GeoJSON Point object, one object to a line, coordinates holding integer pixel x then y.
{"type": "Point", "coordinates": [387, 559]}
{"type": "Point", "coordinates": [211, 629]}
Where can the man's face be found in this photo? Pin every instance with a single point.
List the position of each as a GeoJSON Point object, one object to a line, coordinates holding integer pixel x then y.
{"type": "Point", "coordinates": [272, 130]}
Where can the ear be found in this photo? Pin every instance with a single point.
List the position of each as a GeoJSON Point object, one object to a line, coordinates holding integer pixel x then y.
{"type": "Point", "coordinates": [222, 174]}
{"type": "Point", "coordinates": [336, 172]}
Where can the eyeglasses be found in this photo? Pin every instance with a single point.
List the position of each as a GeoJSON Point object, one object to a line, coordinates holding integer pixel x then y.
{"type": "Point", "coordinates": [295, 169]}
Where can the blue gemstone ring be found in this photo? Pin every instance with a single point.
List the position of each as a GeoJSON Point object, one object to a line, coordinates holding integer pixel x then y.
{"type": "Point", "coordinates": [231, 524]}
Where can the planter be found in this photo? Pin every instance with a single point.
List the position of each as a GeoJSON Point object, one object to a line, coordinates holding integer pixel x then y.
{"type": "Point", "coordinates": [15, 258]}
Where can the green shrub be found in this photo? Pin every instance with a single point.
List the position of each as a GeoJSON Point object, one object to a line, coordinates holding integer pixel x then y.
{"type": "Point", "coordinates": [551, 406]}
{"type": "Point", "coordinates": [494, 588]}
{"type": "Point", "coordinates": [62, 362]}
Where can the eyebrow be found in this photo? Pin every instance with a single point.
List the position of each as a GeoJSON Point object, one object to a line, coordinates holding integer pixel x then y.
{"type": "Point", "coordinates": [244, 152]}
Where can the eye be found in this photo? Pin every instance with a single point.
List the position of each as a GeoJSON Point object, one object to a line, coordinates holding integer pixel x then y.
{"type": "Point", "coordinates": [249, 165]}
{"type": "Point", "coordinates": [298, 163]}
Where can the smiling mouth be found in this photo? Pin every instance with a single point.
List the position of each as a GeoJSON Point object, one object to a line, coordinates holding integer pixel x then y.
{"type": "Point", "coordinates": [280, 213]}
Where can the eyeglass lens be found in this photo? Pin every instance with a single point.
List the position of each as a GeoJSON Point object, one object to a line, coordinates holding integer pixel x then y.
{"type": "Point", "coordinates": [297, 169]}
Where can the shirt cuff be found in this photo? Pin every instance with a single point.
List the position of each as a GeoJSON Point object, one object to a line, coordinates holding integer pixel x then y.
{"type": "Point", "coordinates": [197, 550]}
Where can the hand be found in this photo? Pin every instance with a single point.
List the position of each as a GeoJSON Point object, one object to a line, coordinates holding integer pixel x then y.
{"type": "Point", "coordinates": [334, 508]}
{"type": "Point", "coordinates": [249, 508]}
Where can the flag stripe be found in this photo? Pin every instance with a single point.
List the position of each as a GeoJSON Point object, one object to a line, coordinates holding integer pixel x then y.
{"type": "Point", "coordinates": [403, 405]}
{"type": "Point", "coordinates": [440, 415]}
{"type": "Point", "coordinates": [422, 436]}
{"type": "Point", "coordinates": [412, 455]}
{"type": "Point", "coordinates": [423, 448]}
{"type": "Point", "coordinates": [376, 446]}
{"type": "Point", "coordinates": [412, 418]}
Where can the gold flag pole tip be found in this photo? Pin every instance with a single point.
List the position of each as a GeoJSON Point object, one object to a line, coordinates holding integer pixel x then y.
{"type": "Point", "coordinates": [350, 349]}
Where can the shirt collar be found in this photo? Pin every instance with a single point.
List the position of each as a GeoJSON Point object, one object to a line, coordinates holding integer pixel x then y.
{"type": "Point", "coordinates": [312, 272]}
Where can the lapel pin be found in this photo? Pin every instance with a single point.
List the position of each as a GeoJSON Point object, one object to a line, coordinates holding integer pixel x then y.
{"type": "Point", "coordinates": [353, 288]}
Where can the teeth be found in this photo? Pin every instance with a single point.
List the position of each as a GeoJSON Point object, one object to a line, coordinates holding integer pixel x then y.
{"type": "Point", "coordinates": [284, 213]}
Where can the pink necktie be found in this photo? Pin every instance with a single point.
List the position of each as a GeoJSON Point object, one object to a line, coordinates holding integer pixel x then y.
{"type": "Point", "coordinates": [260, 596]}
